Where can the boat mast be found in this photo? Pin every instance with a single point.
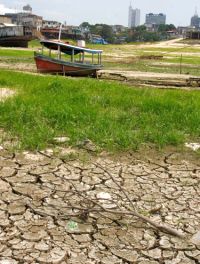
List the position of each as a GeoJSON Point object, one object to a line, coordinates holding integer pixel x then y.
{"type": "Point", "coordinates": [60, 31]}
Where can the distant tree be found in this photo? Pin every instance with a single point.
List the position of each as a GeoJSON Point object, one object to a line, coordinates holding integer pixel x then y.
{"type": "Point", "coordinates": [171, 27]}
{"type": "Point", "coordinates": [85, 25]}
{"type": "Point", "coordinates": [95, 29]}
{"type": "Point", "coordinates": [143, 35]}
{"type": "Point", "coordinates": [107, 33]}
{"type": "Point", "coordinates": [165, 28]}
{"type": "Point", "coordinates": [140, 28]}
{"type": "Point", "coordinates": [151, 36]}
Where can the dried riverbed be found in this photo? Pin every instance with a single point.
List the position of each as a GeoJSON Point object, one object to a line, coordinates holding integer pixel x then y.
{"type": "Point", "coordinates": [38, 226]}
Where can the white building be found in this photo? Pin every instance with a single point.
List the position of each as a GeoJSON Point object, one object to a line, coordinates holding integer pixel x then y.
{"type": "Point", "coordinates": [134, 17]}
{"type": "Point", "coordinates": [50, 24]}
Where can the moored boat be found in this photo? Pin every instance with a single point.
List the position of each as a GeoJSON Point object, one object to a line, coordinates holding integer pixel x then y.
{"type": "Point", "coordinates": [68, 59]}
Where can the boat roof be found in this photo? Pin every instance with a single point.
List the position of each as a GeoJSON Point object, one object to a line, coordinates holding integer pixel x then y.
{"type": "Point", "coordinates": [66, 48]}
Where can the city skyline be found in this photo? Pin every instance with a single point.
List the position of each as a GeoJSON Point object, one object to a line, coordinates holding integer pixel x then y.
{"type": "Point", "coordinates": [77, 13]}
{"type": "Point", "coordinates": [133, 17]}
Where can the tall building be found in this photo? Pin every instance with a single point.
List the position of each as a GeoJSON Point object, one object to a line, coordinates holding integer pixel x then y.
{"type": "Point", "coordinates": [155, 19]}
{"type": "Point", "coordinates": [195, 20]}
{"type": "Point", "coordinates": [133, 17]}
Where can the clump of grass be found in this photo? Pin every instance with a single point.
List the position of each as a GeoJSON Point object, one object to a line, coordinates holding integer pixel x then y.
{"type": "Point", "coordinates": [114, 116]}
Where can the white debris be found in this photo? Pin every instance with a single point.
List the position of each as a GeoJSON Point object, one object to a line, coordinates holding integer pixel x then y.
{"type": "Point", "coordinates": [106, 200]}
{"type": "Point", "coordinates": [61, 139]}
{"type": "Point", "coordinates": [196, 239]}
{"type": "Point", "coordinates": [48, 151]}
{"type": "Point", "coordinates": [7, 261]}
{"type": "Point", "coordinates": [5, 93]}
{"type": "Point", "coordinates": [1, 148]}
{"type": "Point", "coordinates": [193, 146]}
{"type": "Point", "coordinates": [31, 156]}
{"type": "Point", "coordinates": [104, 196]}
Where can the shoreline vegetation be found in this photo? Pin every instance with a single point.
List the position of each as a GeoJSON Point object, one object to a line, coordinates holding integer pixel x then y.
{"type": "Point", "coordinates": [113, 116]}
{"type": "Point", "coordinates": [155, 57]}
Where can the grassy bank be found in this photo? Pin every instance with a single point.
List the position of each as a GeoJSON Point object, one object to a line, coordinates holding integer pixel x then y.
{"type": "Point", "coordinates": [129, 57]}
{"type": "Point", "coordinates": [15, 56]}
{"type": "Point", "coordinates": [112, 115]}
{"type": "Point", "coordinates": [17, 53]}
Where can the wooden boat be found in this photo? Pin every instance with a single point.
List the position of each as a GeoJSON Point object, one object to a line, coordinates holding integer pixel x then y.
{"type": "Point", "coordinates": [75, 65]}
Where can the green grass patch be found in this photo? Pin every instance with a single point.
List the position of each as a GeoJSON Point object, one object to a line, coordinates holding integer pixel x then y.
{"type": "Point", "coordinates": [15, 53]}
{"type": "Point", "coordinates": [35, 43]}
{"type": "Point", "coordinates": [157, 66]}
{"type": "Point", "coordinates": [16, 56]}
{"type": "Point", "coordinates": [112, 115]}
{"type": "Point", "coordinates": [173, 49]}
{"type": "Point", "coordinates": [186, 60]}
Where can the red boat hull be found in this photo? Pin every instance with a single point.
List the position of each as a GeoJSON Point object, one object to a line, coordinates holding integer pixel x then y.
{"type": "Point", "coordinates": [53, 67]}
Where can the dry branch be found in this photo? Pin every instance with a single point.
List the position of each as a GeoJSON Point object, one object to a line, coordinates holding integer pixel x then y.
{"type": "Point", "coordinates": [93, 205]}
{"type": "Point", "coordinates": [162, 228]}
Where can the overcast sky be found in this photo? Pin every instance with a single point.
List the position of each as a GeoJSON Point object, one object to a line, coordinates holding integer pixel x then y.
{"type": "Point", "coordinates": [74, 12]}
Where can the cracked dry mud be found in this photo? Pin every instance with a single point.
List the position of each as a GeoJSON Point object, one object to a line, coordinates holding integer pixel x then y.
{"type": "Point", "coordinates": [38, 226]}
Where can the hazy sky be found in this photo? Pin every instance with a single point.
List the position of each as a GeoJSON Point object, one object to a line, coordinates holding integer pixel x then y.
{"type": "Point", "coordinates": [74, 12]}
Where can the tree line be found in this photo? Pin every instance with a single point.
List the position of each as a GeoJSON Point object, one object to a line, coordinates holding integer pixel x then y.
{"type": "Point", "coordinates": [135, 34]}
